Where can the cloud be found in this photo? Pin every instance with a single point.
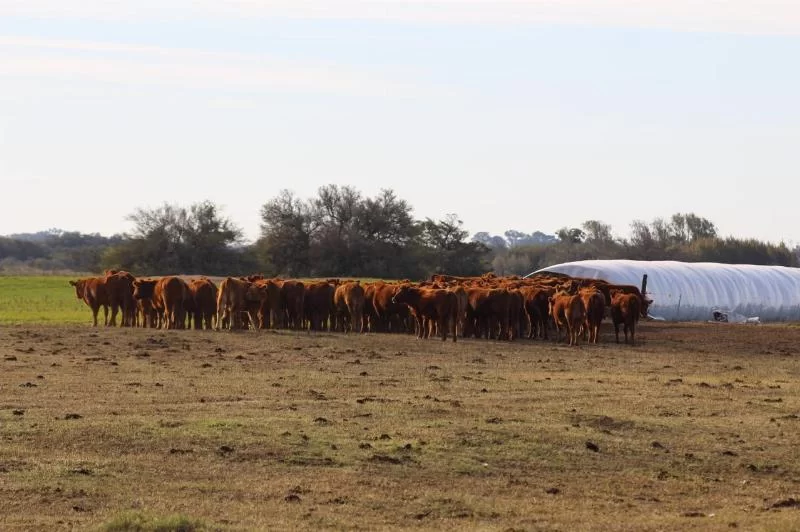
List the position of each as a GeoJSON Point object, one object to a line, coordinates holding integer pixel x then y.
{"type": "Point", "coordinates": [154, 65]}
{"type": "Point", "coordinates": [729, 16]}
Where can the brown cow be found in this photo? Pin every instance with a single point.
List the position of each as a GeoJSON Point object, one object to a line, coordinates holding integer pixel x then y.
{"type": "Point", "coordinates": [370, 316]}
{"type": "Point", "coordinates": [567, 312]}
{"type": "Point", "coordinates": [516, 313]}
{"type": "Point", "coordinates": [292, 295]}
{"type": "Point", "coordinates": [266, 308]}
{"type": "Point", "coordinates": [430, 304]}
{"type": "Point", "coordinates": [149, 302]}
{"type": "Point", "coordinates": [537, 309]}
{"type": "Point", "coordinates": [119, 287]}
{"type": "Point", "coordinates": [174, 292]}
{"type": "Point", "coordinates": [232, 301]}
{"type": "Point", "coordinates": [203, 295]}
{"type": "Point", "coordinates": [595, 304]}
{"type": "Point", "coordinates": [625, 310]}
{"type": "Point", "coordinates": [461, 309]}
{"type": "Point", "coordinates": [644, 302]}
{"type": "Point", "coordinates": [318, 305]}
{"type": "Point", "coordinates": [389, 316]}
{"type": "Point", "coordinates": [487, 313]}
{"type": "Point", "coordinates": [348, 303]}
{"type": "Point", "coordinates": [92, 291]}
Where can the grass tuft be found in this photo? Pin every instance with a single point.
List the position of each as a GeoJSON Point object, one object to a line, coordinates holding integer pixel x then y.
{"type": "Point", "coordinates": [141, 522]}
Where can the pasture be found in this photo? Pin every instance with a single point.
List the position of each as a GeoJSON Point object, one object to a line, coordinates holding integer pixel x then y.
{"type": "Point", "coordinates": [696, 428]}
{"type": "Point", "coordinates": [40, 299]}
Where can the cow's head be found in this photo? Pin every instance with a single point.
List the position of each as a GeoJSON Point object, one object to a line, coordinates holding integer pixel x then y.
{"type": "Point", "coordinates": [80, 287]}
{"type": "Point", "coordinates": [401, 293]}
{"type": "Point", "coordinates": [144, 288]}
{"type": "Point", "coordinates": [257, 291]}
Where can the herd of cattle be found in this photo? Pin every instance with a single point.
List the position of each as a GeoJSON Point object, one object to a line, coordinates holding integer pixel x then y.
{"type": "Point", "coordinates": [505, 308]}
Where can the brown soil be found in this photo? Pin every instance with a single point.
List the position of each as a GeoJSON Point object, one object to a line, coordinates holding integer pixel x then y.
{"type": "Point", "coordinates": [695, 428]}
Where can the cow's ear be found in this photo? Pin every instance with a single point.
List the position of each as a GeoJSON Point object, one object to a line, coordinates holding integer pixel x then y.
{"type": "Point", "coordinates": [73, 283]}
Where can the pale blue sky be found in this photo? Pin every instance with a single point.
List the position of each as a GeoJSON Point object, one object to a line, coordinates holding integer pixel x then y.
{"type": "Point", "coordinates": [525, 115]}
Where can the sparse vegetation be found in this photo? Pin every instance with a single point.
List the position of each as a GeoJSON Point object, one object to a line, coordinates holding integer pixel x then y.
{"type": "Point", "coordinates": [693, 429]}
{"type": "Point", "coordinates": [141, 522]}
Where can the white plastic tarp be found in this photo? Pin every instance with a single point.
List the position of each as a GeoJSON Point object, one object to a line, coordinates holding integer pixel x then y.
{"type": "Point", "coordinates": [689, 291]}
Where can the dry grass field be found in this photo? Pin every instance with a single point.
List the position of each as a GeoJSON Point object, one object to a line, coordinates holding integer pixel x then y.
{"type": "Point", "coordinates": [113, 429]}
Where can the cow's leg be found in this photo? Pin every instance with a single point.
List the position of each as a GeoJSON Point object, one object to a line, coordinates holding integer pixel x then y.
{"type": "Point", "coordinates": [95, 310]}
{"type": "Point", "coordinates": [220, 316]}
{"type": "Point", "coordinates": [441, 324]}
{"type": "Point", "coordinates": [113, 321]}
{"type": "Point", "coordinates": [616, 331]}
{"type": "Point", "coordinates": [105, 315]}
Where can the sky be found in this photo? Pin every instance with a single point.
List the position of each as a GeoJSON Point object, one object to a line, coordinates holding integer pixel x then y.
{"type": "Point", "coordinates": [513, 114]}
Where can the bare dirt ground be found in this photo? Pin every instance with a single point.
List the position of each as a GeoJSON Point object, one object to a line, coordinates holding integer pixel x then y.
{"type": "Point", "coordinates": [696, 428]}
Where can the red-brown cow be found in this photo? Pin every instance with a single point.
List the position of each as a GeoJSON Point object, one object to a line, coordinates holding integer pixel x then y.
{"type": "Point", "coordinates": [232, 298]}
{"type": "Point", "coordinates": [567, 312]}
{"type": "Point", "coordinates": [173, 291]}
{"type": "Point", "coordinates": [149, 302]}
{"type": "Point", "coordinates": [292, 295]}
{"type": "Point", "coordinates": [266, 309]}
{"type": "Point", "coordinates": [203, 294]}
{"type": "Point", "coordinates": [119, 287]}
{"type": "Point", "coordinates": [461, 309]}
{"type": "Point", "coordinates": [348, 302]}
{"type": "Point", "coordinates": [488, 313]}
{"type": "Point", "coordinates": [436, 305]}
{"type": "Point", "coordinates": [537, 306]}
{"type": "Point", "coordinates": [389, 316]}
{"type": "Point", "coordinates": [516, 314]}
{"type": "Point", "coordinates": [318, 305]}
{"type": "Point", "coordinates": [625, 310]}
{"type": "Point", "coordinates": [92, 291]}
{"type": "Point", "coordinates": [595, 304]}
{"type": "Point", "coordinates": [644, 302]}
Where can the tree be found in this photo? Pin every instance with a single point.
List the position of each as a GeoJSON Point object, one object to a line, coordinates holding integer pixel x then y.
{"type": "Point", "coordinates": [286, 230]}
{"type": "Point", "coordinates": [515, 238]}
{"type": "Point", "coordinates": [570, 236]}
{"type": "Point", "coordinates": [207, 241]}
{"type": "Point", "coordinates": [386, 233]}
{"type": "Point", "coordinates": [689, 227]}
{"type": "Point", "coordinates": [448, 253]}
{"type": "Point", "coordinates": [172, 239]}
{"type": "Point", "coordinates": [597, 232]}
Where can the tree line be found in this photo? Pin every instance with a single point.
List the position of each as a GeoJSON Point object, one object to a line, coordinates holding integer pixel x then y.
{"type": "Point", "coordinates": [683, 237]}
{"type": "Point", "coordinates": [339, 232]}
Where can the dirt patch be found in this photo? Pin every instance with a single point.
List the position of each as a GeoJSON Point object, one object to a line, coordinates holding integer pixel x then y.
{"type": "Point", "coordinates": [327, 431]}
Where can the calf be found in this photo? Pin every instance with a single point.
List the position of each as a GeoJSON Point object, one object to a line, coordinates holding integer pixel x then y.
{"type": "Point", "coordinates": [348, 302]}
{"type": "Point", "coordinates": [92, 291]}
{"type": "Point", "coordinates": [625, 310]}
{"type": "Point", "coordinates": [595, 303]}
{"type": "Point", "coordinates": [567, 312]}
{"type": "Point", "coordinates": [437, 305]}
